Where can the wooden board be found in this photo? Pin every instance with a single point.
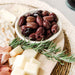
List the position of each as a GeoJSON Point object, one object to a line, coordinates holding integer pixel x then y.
{"type": "Point", "coordinates": [46, 65]}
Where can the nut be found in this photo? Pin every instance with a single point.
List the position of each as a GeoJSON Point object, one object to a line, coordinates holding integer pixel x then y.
{"type": "Point", "coordinates": [48, 18]}
{"type": "Point", "coordinates": [30, 19]}
{"type": "Point", "coordinates": [32, 25]}
{"type": "Point", "coordinates": [46, 24]}
{"type": "Point", "coordinates": [39, 20]}
{"type": "Point", "coordinates": [22, 21]}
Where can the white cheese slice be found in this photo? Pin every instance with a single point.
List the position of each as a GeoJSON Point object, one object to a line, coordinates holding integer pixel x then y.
{"type": "Point", "coordinates": [31, 69]}
{"type": "Point", "coordinates": [17, 71]}
{"type": "Point", "coordinates": [16, 51]}
{"type": "Point", "coordinates": [30, 53]}
{"type": "Point", "coordinates": [20, 61]}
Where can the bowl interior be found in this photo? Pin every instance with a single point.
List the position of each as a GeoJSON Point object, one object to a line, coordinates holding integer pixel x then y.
{"type": "Point", "coordinates": [18, 30]}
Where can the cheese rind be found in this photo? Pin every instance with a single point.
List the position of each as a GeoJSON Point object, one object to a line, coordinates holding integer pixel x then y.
{"type": "Point", "coordinates": [16, 51]}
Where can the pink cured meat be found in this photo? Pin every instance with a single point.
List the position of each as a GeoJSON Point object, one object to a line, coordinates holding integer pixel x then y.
{"type": "Point", "coordinates": [4, 54]}
{"type": "Point", "coordinates": [5, 70]}
{"type": "Point", "coordinates": [5, 49]}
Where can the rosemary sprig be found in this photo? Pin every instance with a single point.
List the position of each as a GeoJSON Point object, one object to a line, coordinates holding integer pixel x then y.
{"type": "Point", "coordinates": [46, 48]}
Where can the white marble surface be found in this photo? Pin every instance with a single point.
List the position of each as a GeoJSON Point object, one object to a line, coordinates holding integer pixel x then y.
{"type": "Point", "coordinates": [61, 6]}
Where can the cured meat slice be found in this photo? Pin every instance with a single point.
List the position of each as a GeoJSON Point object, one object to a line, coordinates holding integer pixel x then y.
{"type": "Point", "coordinates": [5, 70]}
{"type": "Point", "coordinates": [4, 54]}
{"type": "Point", "coordinates": [5, 49]}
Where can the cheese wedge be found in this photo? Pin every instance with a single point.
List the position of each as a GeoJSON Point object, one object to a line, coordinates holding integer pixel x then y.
{"type": "Point", "coordinates": [31, 69]}
{"type": "Point", "coordinates": [20, 61]}
{"type": "Point", "coordinates": [11, 61]}
{"type": "Point", "coordinates": [30, 53]}
{"type": "Point", "coordinates": [16, 51]}
{"type": "Point", "coordinates": [17, 71]}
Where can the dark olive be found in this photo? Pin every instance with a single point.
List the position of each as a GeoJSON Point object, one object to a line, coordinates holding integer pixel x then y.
{"type": "Point", "coordinates": [40, 30]}
{"type": "Point", "coordinates": [22, 21]}
{"type": "Point", "coordinates": [32, 36]}
{"type": "Point", "coordinates": [30, 19]}
{"type": "Point", "coordinates": [54, 28]}
{"type": "Point", "coordinates": [39, 20]}
{"type": "Point", "coordinates": [26, 31]}
{"type": "Point", "coordinates": [55, 17]}
{"type": "Point", "coordinates": [46, 24]}
{"type": "Point", "coordinates": [39, 37]}
{"type": "Point", "coordinates": [32, 25]}
{"type": "Point", "coordinates": [48, 18]}
{"type": "Point", "coordinates": [49, 34]}
{"type": "Point", "coordinates": [45, 13]}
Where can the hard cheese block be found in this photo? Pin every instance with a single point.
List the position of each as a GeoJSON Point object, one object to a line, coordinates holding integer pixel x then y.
{"type": "Point", "coordinates": [20, 61]}
{"type": "Point", "coordinates": [30, 53]}
{"type": "Point", "coordinates": [16, 51]}
{"type": "Point", "coordinates": [18, 71]}
{"type": "Point", "coordinates": [31, 68]}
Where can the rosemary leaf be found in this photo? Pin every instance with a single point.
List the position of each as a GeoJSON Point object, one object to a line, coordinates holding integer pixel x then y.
{"type": "Point", "coordinates": [47, 48]}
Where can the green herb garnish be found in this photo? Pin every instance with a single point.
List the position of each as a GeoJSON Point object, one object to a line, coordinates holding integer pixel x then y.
{"type": "Point", "coordinates": [46, 48]}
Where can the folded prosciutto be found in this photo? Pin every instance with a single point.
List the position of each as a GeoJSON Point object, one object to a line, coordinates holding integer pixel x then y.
{"type": "Point", "coordinates": [4, 54]}
{"type": "Point", "coordinates": [5, 70]}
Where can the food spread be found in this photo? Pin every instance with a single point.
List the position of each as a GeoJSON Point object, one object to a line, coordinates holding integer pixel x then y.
{"type": "Point", "coordinates": [18, 57]}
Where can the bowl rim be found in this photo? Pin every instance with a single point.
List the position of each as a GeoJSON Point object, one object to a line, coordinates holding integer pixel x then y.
{"type": "Point", "coordinates": [18, 32]}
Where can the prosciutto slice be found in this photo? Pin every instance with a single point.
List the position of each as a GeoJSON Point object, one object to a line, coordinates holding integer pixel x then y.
{"type": "Point", "coordinates": [4, 54]}
{"type": "Point", "coordinates": [5, 70]}
{"type": "Point", "coordinates": [5, 49]}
